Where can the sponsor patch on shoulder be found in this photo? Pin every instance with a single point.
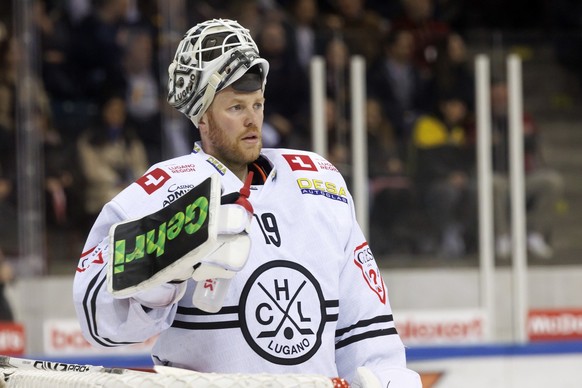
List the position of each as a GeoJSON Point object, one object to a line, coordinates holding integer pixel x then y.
{"type": "Point", "coordinates": [364, 260]}
{"type": "Point", "coordinates": [326, 165]}
{"type": "Point", "coordinates": [300, 162]}
{"type": "Point", "coordinates": [182, 168]}
{"type": "Point", "coordinates": [217, 165]}
{"type": "Point", "coordinates": [322, 188]}
{"type": "Point", "coordinates": [153, 180]}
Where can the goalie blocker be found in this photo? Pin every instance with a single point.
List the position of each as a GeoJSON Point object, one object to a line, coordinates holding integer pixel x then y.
{"type": "Point", "coordinates": [195, 236]}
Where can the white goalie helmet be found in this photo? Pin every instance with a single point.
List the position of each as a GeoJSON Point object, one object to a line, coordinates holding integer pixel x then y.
{"type": "Point", "coordinates": [211, 56]}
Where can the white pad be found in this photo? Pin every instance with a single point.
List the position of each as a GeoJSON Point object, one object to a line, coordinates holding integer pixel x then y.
{"type": "Point", "coordinates": [228, 259]}
{"type": "Point", "coordinates": [233, 219]}
{"type": "Point", "coordinates": [161, 296]}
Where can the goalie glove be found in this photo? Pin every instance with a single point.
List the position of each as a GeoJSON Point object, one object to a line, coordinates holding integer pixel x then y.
{"type": "Point", "coordinates": [195, 236]}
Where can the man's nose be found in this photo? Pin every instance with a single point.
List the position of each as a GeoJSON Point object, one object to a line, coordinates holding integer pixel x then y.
{"type": "Point", "coordinates": [252, 118]}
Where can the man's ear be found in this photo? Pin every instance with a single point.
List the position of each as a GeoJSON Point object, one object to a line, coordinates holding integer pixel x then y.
{"type": "Point", "coordinates": [202, 124]}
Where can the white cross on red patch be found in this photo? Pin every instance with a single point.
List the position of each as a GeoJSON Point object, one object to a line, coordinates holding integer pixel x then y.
{"type": "Point", "coordinates": [300, 162]}
{"type": "Point", "coordinates": [153, 180]}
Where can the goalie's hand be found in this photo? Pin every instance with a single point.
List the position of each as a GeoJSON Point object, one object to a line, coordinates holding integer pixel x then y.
{"type": "Point", "coordinates": [234, 222]}
{"type": "Point", "coordinates": [195, 236]}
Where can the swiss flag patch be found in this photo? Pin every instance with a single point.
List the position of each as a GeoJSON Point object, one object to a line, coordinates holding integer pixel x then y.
{"type": "Point", "coordinates": [153, 180]}
{"type": "Point", "coordinates": [300, 162]}
{"type": "Point", "coordinates": [365, 261]}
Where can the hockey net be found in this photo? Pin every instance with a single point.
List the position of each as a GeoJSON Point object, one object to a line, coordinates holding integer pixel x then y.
{"type": "Point", "coordinates": [22, 373]}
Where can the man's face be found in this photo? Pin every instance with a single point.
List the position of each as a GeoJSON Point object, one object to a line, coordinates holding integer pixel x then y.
{"type": "Point", "coordinates": [231, 128]}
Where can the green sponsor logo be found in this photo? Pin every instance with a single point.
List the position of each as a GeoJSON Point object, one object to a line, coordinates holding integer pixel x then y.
{"type": "Point", "coordinates": [153, 241]}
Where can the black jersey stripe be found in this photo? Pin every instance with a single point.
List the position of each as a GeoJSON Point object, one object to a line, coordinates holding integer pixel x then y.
{"type": "Point", "coordinates": [364, 323]}
{"type": "Point", "coordinates": [366, 335]}
{"type": "Point", "coordinates": [223, 324]}
{"type": "Point", "coordinates": [206, 325]}
{"type": "Point", "coordinates": [331, 303]}
{"type": "Point", "coordinates": [90, 312]}
{"type": "Point", "coordinates": [195, 311]}
{"type": "Point", "coordinates": [235, 310]}
{"type": "Point", "coordinates": [94, 309]}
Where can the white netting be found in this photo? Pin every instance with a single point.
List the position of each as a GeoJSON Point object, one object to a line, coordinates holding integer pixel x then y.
{"type": "Point", "coordinates": [26, 378]}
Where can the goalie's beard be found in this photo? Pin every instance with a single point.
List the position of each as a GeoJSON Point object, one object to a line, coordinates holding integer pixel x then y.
{"type": "Point", "coordinates": [230, 149]}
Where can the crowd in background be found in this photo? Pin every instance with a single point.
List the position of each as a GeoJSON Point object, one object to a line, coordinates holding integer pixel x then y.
{"type": "Point", "coordinates": [100, 110]}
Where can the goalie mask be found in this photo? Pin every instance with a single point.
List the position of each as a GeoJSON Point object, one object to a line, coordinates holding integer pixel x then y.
{"type": "Point", "coordinates": [212, 56]}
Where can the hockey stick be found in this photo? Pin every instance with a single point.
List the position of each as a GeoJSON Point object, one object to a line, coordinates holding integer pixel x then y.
{"type": "Point", "coordinates": [43, 365]}
{"type": "Point", "coordinates": [51, 371]}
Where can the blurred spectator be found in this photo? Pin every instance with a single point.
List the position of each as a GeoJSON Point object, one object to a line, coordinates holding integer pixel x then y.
{"type": "Point", "coordinates": [306, 31]}
{"type": "Point", "coordinates": [384, 148]}
{"type": "Point", "coordinates": [8, 213]}
{"type": "Point", "coordinates": [443, 166]}
{"type": "Point", "coordinates": [6, 276]}
{"type": "Point", "coordinates": [55, 36]}
{"type": "Point", "coordinates": [143, 93]}
{"type": "Point", "coordinates": [10, 60]}
{"type": "Point", "coordinates": [248, 14]}
{"type": "Point", "coordinates": [427, 31]}
{"type": "Point", "coordinates": [338, 152]}
{"type": "Point", "coordinates": [287, 82]}
{"type": "Point", "coordinates": [337, 58]}
{"type": "Point", "coordinates": [144, 14]}
{"type": "Point", "coordinates": [62, 190]}
{"type": "Point", "coordinates": [360, 27]}
{"type": "Point", "coordinates": [97, 48]}
{"type": "Point", "coordinates": [391, 191]}
{"type": "Point", "coordinates": [397, 83]}
{"type": "Point", "coordinates": [200, 10]}
{"type": "Point", "coordinates": [61, 177]}
{"type": "Point", "coordinates": [62, 78]}
{"type": "Point", "coordinates": [453, 70]}
{"type": "Point", "coordinates": [111, 157]}
{"type": "Point", "coordinates": [543, 185]}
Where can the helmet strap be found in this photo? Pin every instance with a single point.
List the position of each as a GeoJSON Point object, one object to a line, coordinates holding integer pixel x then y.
{"type": "Point", "coordinates": [210, 91]}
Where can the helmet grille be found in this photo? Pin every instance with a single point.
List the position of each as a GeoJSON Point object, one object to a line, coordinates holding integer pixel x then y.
{"type": "Point", "coordinates": [219, 41]}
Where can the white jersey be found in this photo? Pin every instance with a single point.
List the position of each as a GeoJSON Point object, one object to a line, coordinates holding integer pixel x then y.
{"type": "Point", "coordinates": [310, 298]}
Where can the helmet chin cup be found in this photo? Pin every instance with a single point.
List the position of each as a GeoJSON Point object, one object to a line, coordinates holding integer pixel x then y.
{"type": "Point", "coordinates": [211, 56]}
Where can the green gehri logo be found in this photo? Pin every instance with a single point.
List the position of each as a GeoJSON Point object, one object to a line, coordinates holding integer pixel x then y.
{"type": "Point", "coordinates": [145, 246]}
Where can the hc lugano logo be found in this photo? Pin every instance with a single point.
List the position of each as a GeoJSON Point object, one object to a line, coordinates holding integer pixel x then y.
{"type": "Point", "coordinates": [282, 313]}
